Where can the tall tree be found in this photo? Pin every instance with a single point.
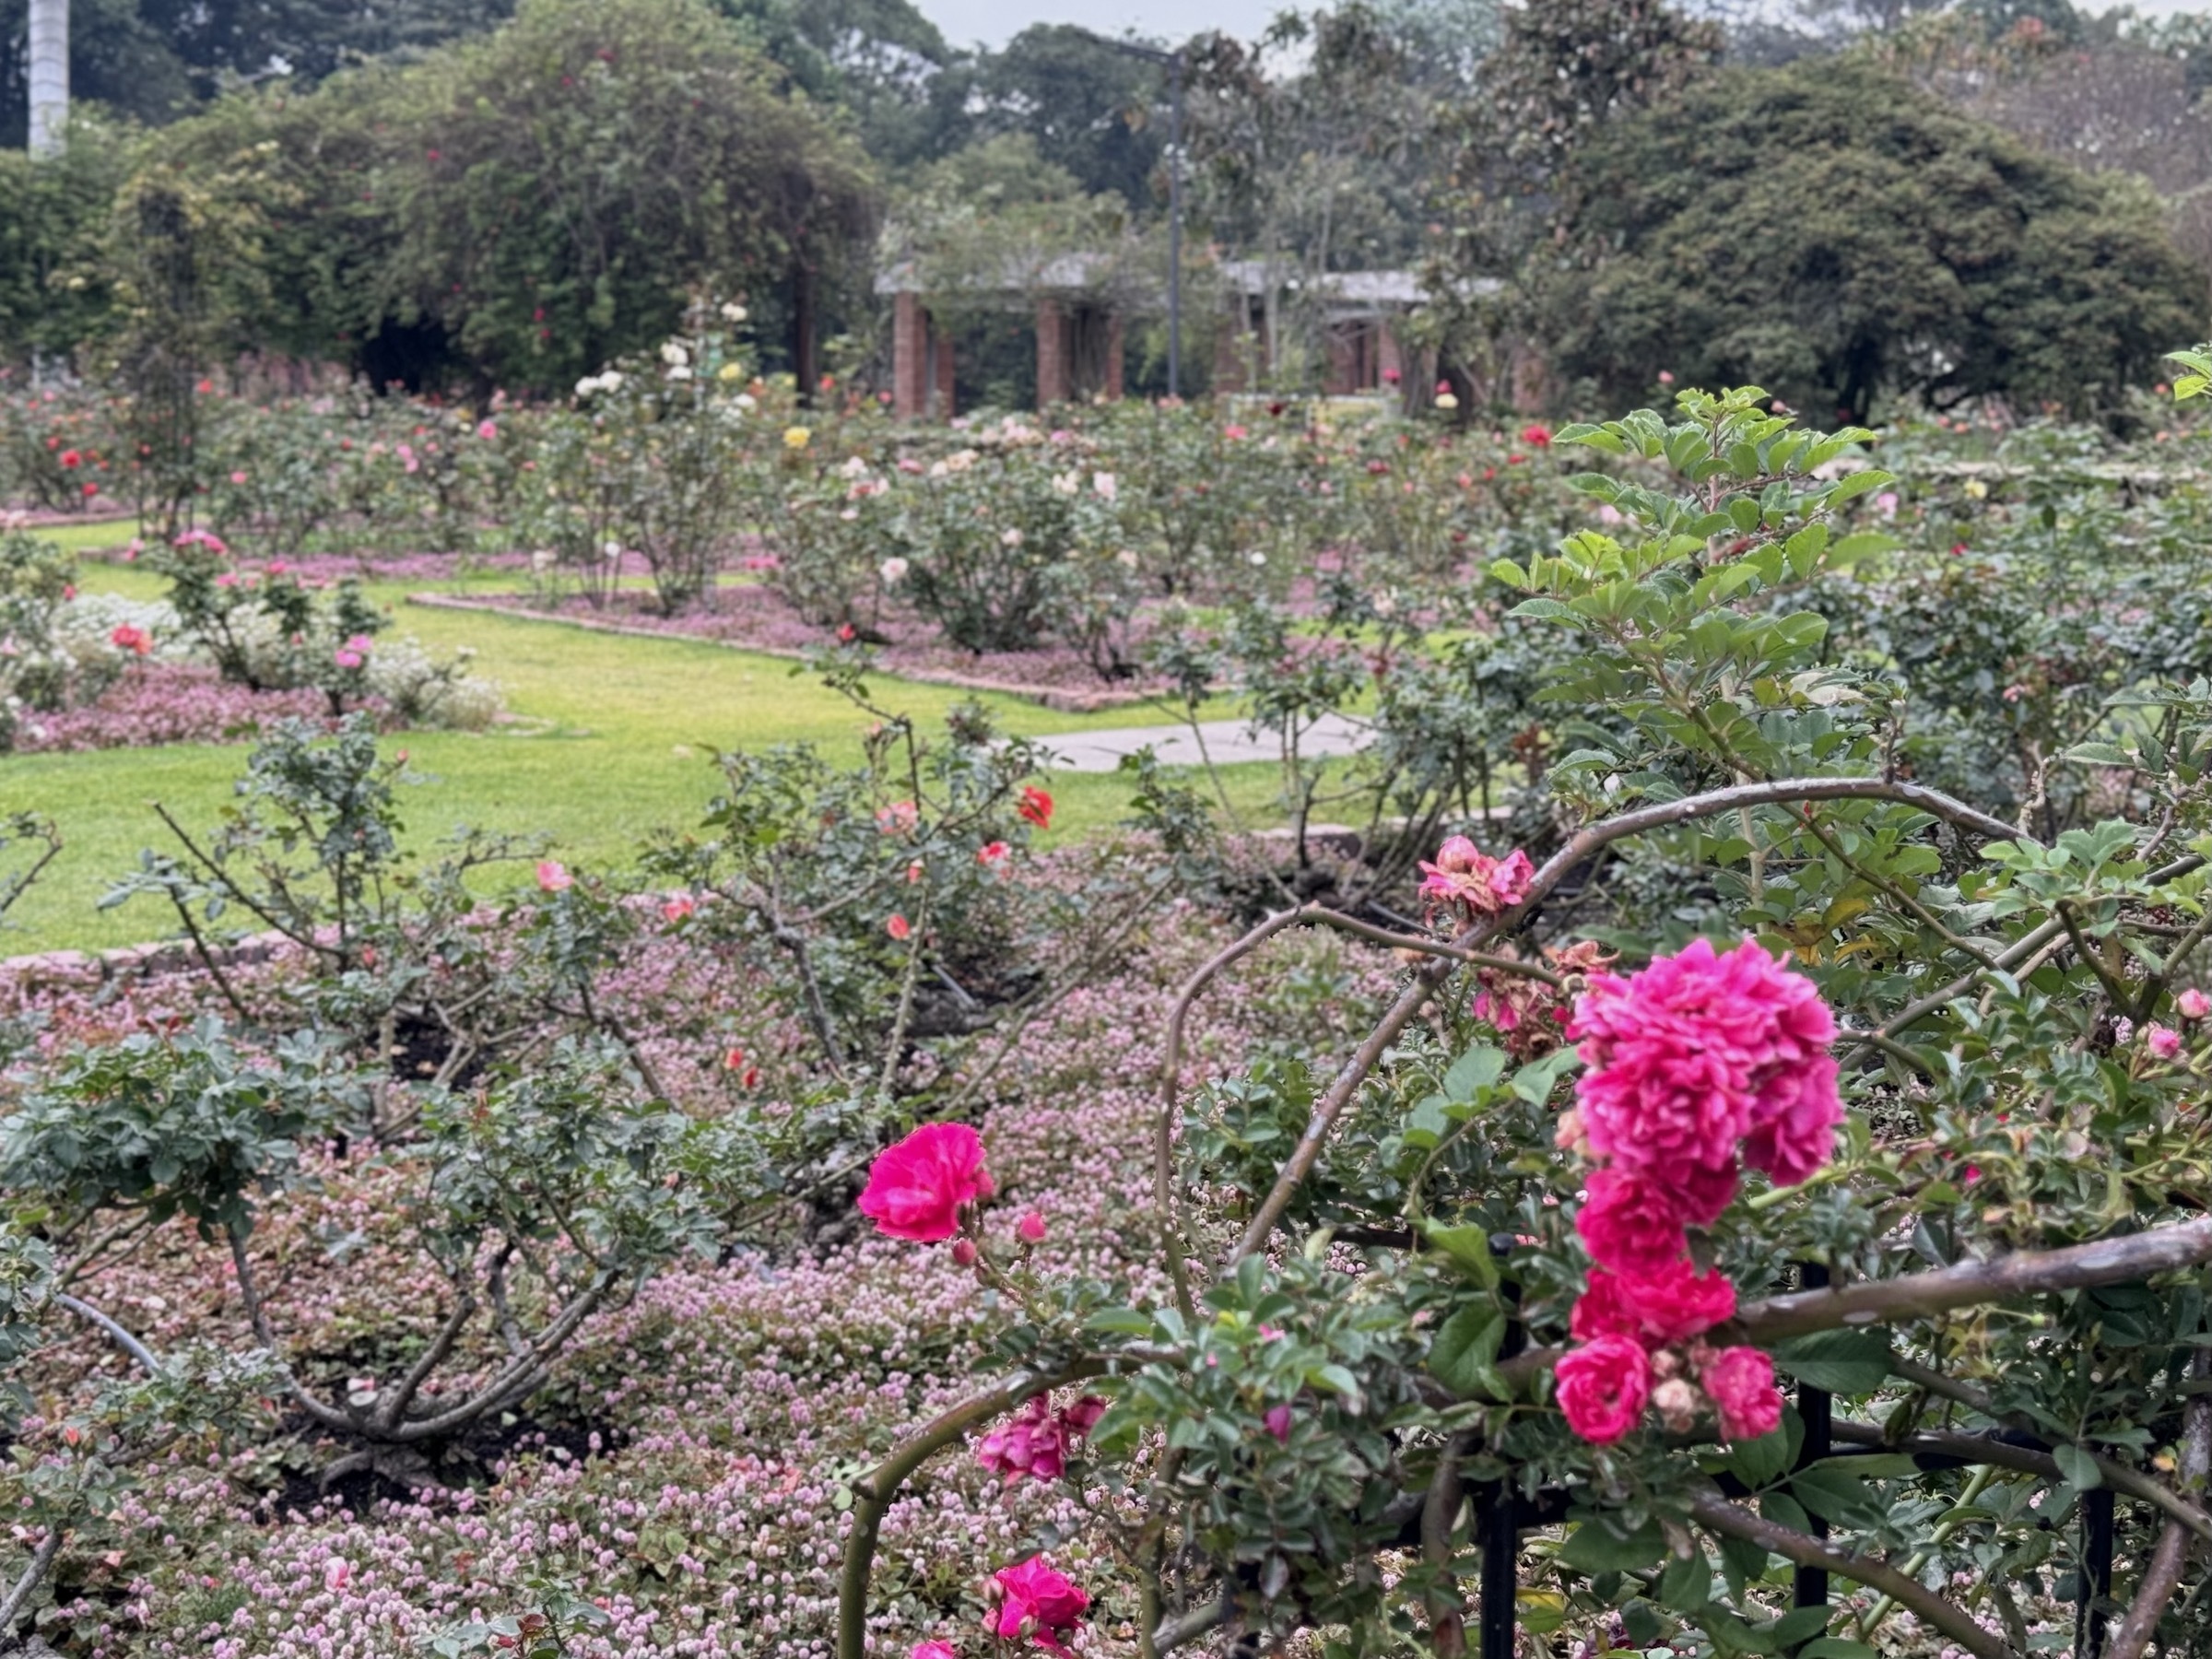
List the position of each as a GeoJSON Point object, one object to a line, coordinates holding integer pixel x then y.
{"type": "Point", "coordinates": [1831, 233]}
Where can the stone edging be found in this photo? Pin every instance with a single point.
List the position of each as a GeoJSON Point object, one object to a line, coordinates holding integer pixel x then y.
{"type": "Point", "coordinates": [1057, 697]}
{"type": "Point", "coordinates": [130, 962]}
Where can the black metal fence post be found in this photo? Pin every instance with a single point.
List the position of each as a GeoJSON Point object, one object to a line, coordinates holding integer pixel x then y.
{"type": "Point", "coordinates": [1815, 1410]}
{"type": "Point", "coordinates": [2095, 1582]}
{"type": "Point", "coordinates": [1500, 1530]}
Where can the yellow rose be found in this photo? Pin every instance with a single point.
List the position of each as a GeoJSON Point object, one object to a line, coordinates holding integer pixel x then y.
{"type": "Point", "coordinates": [796, 438]}
{"type": "Point", "coordinates": [1976, 488]}
{"type": "Point", "coordinates": [729, 371]}
{"type": "Point", "coordinates": [1446, 402]}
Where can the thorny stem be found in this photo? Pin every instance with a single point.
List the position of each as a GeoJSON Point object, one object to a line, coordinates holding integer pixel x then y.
{"type": "Point", "coordinates": [1719, 1515]}
{"type": "Point", "coordinates": [2163, 1574]}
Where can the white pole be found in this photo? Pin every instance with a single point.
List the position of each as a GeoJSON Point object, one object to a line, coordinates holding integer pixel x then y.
{"type": "Point", "coordinates": [48, 75]}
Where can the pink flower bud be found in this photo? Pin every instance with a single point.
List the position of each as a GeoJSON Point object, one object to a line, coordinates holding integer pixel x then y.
{"type": "Point", "coordinates": [2163, 1042]}
{"type": "Point", "coordinates": [964, 1253]}
{"type": "Point", "coordinates": [2192, 1004]}
{"type": "Point", "coordinates": [1030, 1228]}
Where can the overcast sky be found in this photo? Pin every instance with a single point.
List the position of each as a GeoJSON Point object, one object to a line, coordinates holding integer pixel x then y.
{"type": "Point", "coordinates": [994, 22]}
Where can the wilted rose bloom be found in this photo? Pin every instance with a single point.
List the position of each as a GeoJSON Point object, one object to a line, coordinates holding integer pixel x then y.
{"type": "Point", "coordinates": [1465, 875]}
{"type": "Point", "coordinates": [898, 819]}
{"type": "Point", "coordinates": [992, 852]}
{"type": "Point", "coordinates": [1036, 806]}
{"type": "Point", "coordinates": [553, 876]}
{"type": "Point", "coordinates": [916, 1188]}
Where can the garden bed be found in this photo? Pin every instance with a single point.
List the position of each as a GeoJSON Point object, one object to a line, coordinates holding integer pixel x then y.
{"type": "Point", "coordinates": [755, 618]}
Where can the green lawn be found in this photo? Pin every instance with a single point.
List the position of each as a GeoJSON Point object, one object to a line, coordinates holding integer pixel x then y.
{"type": "Point", "coordinates": [614, 738]}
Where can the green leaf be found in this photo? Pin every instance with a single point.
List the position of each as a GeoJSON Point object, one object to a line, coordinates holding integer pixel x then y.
{"type": "Point", "coordinates": [2079, 1468]}
{"type": "Point", "coordinates": [1474, 1071]}
{"type": "Point", "coordinates": [1844, 1363]}
{"type": "Point", "coordinates": [1119, 1321]}
{"type": "Point", "coordinates": [1827, 1491]}
{"type": "Point", "coordinates": [1460, 1357]}
{"type": "Point", "coordinates": [1800, 1623]}
{"type": "Point", "coordinates": [1595, 1547]}
{"type": "Point", "coordinates": [1759, 1463]}
{"type": "Point", "coordinates": [1687, 1586]}
{"type": "Point", "coordinates": [1837, 1647]}
{"type": "Point", "coordinates": [1469, 1248]}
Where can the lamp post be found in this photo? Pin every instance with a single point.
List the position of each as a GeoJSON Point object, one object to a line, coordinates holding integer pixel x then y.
{"type": "Point", "coordinates": [1173, 61]}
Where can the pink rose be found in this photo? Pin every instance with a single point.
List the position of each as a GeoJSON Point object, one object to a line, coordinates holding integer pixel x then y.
{"type": "Point", "coordinates": [1036, 1602]}
{"type": "Point", "coordinates": [1603, 1387]}
{"type": "Point", "coordinates": [1033, 1444]}
{"type": "Point", "coordinates": [1672, 1305]}
{"type": "Point", "coordinates": [916, 1188]}
{"type": "Point", "coordinates": [2192, 1004]}
{"type": "Point", "coordinates": [1278, 1423]}
{"type": "Point", "coordinates": [2163, 1042]}
{"type": "Point", "coordinates": [553, 876]}
{"type": "Point", "coordinates": [1031, 1228]}
{"type": "Point", "coordinates": [338, 1575]}
{"type": "Point", "coordinates": [934, 1649]}
{"type": "Point", "coordinates": [1630, 1224]}
{"type": "Point", "coordinates": [1740, 1383]}
{"type": "Point", "coordinates": [1700, 1050]}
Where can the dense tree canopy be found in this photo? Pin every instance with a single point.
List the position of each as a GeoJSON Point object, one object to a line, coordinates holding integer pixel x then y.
{"type": "Point", "coordinates": [1828, 232]}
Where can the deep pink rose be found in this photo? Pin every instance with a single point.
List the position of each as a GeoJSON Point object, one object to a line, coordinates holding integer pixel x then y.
{"type": "Point", "coordinates": [1795, 1133]}
{"type": "Point", "coordinates": [915, 1189]}
{"type": "Point", "coordinates": [1630, 1224]}
{"type": "Point", "coordinates": [1740, 1383]}
{"type": "Point", "coordinates": [1278, 1423]}
{"type": "Point", "coordinates": [1672, 1305]}
{"type": "Point", "coordinates": [934, 1649]}
{"type": "Point", "coordinates": [1603, 1387]}
{"type": "Point", "coordinates": [1034, 1601]}
{"type": "Point", "coordinates": [2163, 1042]}
{"type": "Point", "coordinates": [1700, 1051]}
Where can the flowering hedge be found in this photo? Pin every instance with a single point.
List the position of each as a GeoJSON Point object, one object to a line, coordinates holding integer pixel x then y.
{"type": "Point", "coordinates": [1891, 1116]}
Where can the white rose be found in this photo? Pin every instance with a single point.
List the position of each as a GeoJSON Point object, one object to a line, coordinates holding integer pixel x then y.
{"type": "Point", "coordinates": [893, 571]}
{"type": "Point", "coordinates": [674, 355]}
{"type": "Point", "coordinates": [1103, 485]}
{"type": "Point", "coordinates": [732, 313]}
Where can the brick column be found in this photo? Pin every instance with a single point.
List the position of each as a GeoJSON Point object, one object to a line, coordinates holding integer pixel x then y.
{"type": "Point", "coordinates": [1115, 334]}
{"type": "Point", "coordinates": [1051, 354]}
{"type": "Point", "coordinates": [910, 358]}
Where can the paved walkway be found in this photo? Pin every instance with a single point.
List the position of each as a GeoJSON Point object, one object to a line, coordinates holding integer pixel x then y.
{"type": "Point", "coordinates": [1227, 742]}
